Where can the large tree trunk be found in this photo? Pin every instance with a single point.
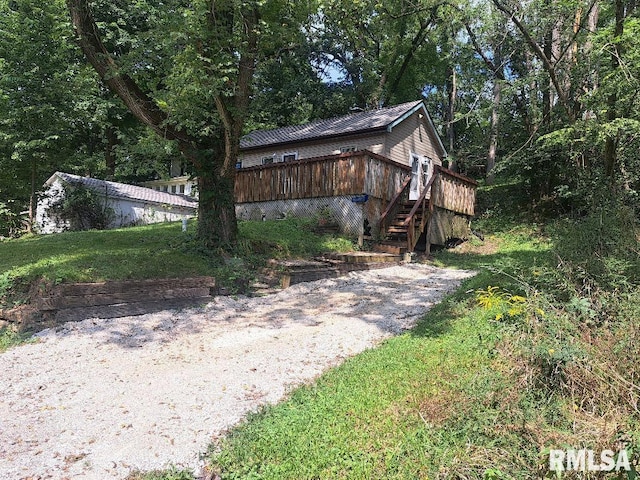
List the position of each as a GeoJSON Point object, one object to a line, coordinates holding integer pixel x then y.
{"type": "Point", "coordinates": [33, 198]}
{"type": "Point", "coordinates": [452, 93]}
{"type": "Point", "coordinates": [493, 134]}
{"type": "Point", "coordinates": [217, 225]}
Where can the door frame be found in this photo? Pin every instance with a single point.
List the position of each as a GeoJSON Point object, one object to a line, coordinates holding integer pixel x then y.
{"type": "Point", "coordinates": [421, 171]}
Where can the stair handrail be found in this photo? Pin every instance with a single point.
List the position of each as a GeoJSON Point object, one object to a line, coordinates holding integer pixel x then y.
{"type": "Point", "coordinates": [393, 204]}
{"type": "Point", "coordinates": [421, 203]}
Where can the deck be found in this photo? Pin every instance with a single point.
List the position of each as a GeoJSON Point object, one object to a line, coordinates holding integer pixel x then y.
{"type": "Point", "coordinates": [380, 185]}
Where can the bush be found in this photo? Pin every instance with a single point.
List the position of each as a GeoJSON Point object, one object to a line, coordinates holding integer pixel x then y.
{"type": "Point", "coordinates": [82, 209]}
{"type": "Point", "coordinates": [11, 223]}
{"type": "Point", "coordinates": [600, 251]}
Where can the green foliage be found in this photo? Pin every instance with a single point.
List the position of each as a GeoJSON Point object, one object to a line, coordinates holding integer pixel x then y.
{"type": "Point", "coordinates": [501, 305]}
{"type": "Point", "coordinates": [9, 338]}
{"type": "Point", "coordinates": [11, 223]}
{"type": "Point", "coordinates": [37, 95]}
{"type": "Point", "coordinates": [172, 473]}
{"type": "Point", "coordinates": [392, 62]}
{"type": "Point", "coordinates": [600, 251]}
{"type": "Point", "coordinates": [82, 209]}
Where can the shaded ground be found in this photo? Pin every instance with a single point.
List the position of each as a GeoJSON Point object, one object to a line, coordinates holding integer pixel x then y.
{"type": "Point", "coordinates": [102, 398]}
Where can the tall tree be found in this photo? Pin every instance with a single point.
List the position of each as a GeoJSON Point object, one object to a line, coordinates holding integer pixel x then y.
{"type": "Point", "coordinates": [488, 35]}
{"type": "Point", "coordinates": [384, 51]}
{"type": "Point", "coordinates": [37, 76]}
{"type": "Point", "coordinates": [188, 76]}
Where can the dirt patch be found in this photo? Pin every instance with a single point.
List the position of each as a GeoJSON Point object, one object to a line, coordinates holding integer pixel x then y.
{"type": "Point", "coordinates": [102, 398]}
{"type": "Point", "coordinates": [488, 246]}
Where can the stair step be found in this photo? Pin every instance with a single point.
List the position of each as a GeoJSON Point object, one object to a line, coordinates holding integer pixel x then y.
{"type": "Point", "coordinates": [402, 219]}
{"type": "Point", "coordinates": [389, 248]}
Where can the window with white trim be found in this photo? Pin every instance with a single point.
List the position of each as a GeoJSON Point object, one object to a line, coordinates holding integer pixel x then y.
{"type": "Point", "coordinates": [290, 156]}
{"type": "Point", "coordinates": [268, 160]}
{"type": "Point", "coordinates": [348, 148]}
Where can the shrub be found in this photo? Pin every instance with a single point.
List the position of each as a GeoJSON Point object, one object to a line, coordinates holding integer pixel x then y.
{"type": "Point", "coordinates": [11, 223]}
{"type": "Point", "coordinates": [82, 209]}
{"type": "Point", "coordinates": [600, 250]}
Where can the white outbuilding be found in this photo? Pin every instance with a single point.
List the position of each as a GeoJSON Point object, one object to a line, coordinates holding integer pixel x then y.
{"type": "Point", "coordinates": [127, 204]}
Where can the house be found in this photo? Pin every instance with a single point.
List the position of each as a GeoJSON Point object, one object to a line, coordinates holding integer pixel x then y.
{"type": "Point", "coordinates": [375, 172]}
{"type": "Point", "coordinates": [404, 134]}
{"type": "Point", "coordinates": [178, 182]}
{"type": "Point", "coordinates": [126, 204]}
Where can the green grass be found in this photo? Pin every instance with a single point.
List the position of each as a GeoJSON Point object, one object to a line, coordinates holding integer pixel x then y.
{"type": "Point", "coordinates": [489, 380]}
{"type": "Point", "coordinates": [427, 404]}
{"type": "Point", "coordinates": [384, 414]}
{"type": "Point", "coordinates": [9, 338]}
{"type": "Point", "coordinates": [153, 251]}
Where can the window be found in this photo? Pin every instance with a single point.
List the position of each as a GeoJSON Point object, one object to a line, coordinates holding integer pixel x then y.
{"type": "Point", "coordinates": [174, 189]}
{"type": "Point", "coordinates": [165, 188]}
{"type": "Point", "coordinates": [182, 188]}
{"type": "Point", "coordinates": [290, 156]}
{"type": "Point", "coordinates": [347, 149]}
{"type": "Point", "coordinates": [268, 160]}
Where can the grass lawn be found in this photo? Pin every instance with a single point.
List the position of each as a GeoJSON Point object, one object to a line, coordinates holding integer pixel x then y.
{"type": "Point", "coordinates": [521, 359]}
{"type": "Point", "coordinates": [153, 251]}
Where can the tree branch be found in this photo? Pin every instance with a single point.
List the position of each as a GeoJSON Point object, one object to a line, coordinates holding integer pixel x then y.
{"type": "Point", "coordinates": [143, 107]}
{"type": "Point", "coordinates": [539, 52]}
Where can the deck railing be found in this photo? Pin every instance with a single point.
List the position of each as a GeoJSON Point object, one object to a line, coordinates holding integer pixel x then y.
{"type": "Point", "coordinates": [454, 192]}
{"type": "Point", "coordinates": [336, 175]}
{"type": "Point", "coordinates": [415, 226]}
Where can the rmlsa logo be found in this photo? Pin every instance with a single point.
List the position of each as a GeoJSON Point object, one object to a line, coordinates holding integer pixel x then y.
{"type": "Point", "coordinates": [587, 461]}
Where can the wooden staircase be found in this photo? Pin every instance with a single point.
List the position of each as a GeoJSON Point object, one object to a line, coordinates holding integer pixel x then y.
{"type": "Point", "coordinates": [404, 220]}
{"type": "Point", "coordinates": [397, 236]}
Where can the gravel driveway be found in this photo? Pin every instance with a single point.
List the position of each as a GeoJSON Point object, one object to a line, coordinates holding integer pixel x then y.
{"type": "Point", "coordinates": [98, 399]}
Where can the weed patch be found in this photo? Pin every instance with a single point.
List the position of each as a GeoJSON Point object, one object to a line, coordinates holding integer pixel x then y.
{"type": "Point", "coordinates": [9, 338]}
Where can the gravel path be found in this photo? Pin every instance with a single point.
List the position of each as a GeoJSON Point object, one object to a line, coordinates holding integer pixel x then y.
{"type": "Point", "coordinates": [98, 399]}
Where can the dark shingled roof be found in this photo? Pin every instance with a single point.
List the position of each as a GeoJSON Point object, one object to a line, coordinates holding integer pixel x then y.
{"type": "Point", "coordinates": [132, 192]}
{"type": "Point", "coordinates": [346, 125]}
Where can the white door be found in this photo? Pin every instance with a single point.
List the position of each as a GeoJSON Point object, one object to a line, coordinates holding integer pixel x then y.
{"type": "Point", "coordinates": [420, 173]}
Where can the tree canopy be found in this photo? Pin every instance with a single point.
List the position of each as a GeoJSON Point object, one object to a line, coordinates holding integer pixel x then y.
{"type": "Point", "coordinates": [543, 90]}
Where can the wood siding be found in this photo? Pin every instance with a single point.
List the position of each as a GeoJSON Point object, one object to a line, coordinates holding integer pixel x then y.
{"type": "Point", "coordinates": [336, 175]}
{"type": "Point", "coordinates": [412, 135]}
{"type": "Point", "coordinates": [320, 148]}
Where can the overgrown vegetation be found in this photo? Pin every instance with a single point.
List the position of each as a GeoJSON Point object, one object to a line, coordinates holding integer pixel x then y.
{"type": "Point", "coordinates": [153, 251]}
{"type": "Point", "coordinates": [9, 338]}
{"type": "Point", "coordinates": [534, 353]}
{"type": "Point", "coordinates": [80, 208]}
